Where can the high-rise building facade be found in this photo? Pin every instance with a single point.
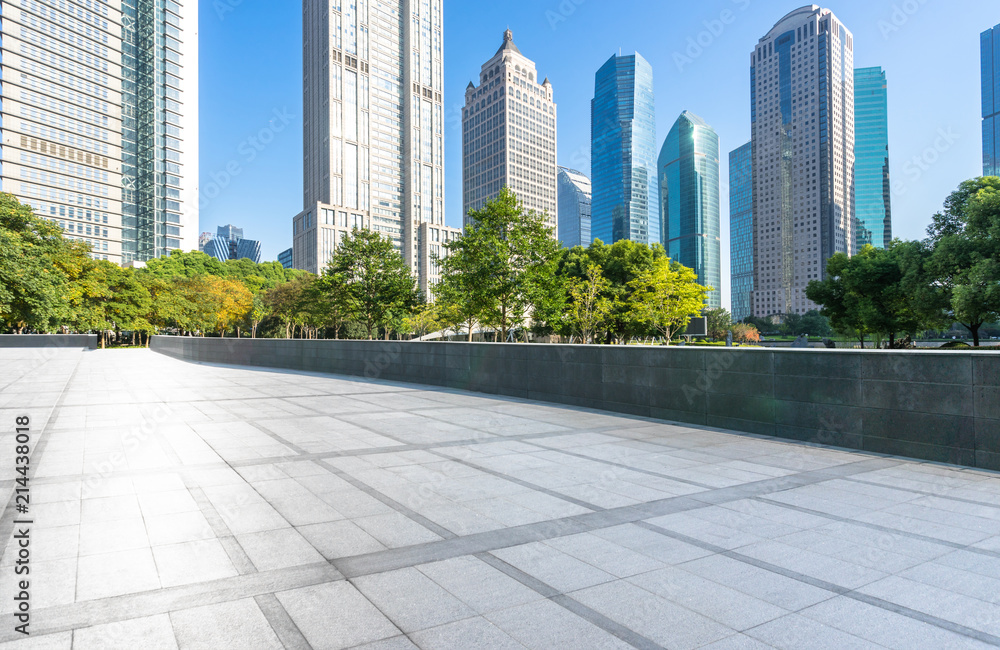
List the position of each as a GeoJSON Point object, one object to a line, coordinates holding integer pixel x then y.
{"type": "Point", "coordinates": [574, 208]}
{"type": "Point", "coordinates": [229, 244]}
{"type": "Point", "coordinates": [689, 214]}
{"type": "Point", "coordinates": [100, 121]}
{"type": "Point", "coordinates": [741, 255]}
{"type": "Point", "coordinates": [509, 135]}
{"type": "Point", "coordinates": [159, 109]}
{"type": "Point", "coordinates": [285, 258]}
{"type": "Point", "coordinates": [872, 201]}
{"type": "Point", "coordinates": [989, 50]}
{"type": "Point", "coordinates": [62, 116]}
{"type": "Point", "coordinates": [623, 152]}
{"type": "Point", "coordinates": [373, 156]}
{"type": "Point", "coordinates": [802, 122]}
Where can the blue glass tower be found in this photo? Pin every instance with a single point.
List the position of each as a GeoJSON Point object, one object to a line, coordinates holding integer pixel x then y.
{"type": "Point", "coordinates": [574, 208]}
{"type": "Point", "coordinates": [989, 47]}
{"type": "Point", "coordinates": [871, 159]}
{"type": "Point", "coordinates": [741, 230]}
{"type": "Point", "coordinates": [688, 171]}
{"type": "Point", "coordinates": [623, 152]}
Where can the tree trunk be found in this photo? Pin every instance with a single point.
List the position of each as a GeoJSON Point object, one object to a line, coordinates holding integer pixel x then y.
{"type": "Point", "coordinates": [892, 340]}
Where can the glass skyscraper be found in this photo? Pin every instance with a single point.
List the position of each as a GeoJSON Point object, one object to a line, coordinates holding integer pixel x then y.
{"type": "Point", "coordinates": [574, 208]}
{"type": "Point", "coordinates": [871, 156]}
{"type": "Point", "coordinates": [623, 152]}
{"type": "Point", "coordinates": [989, 48]}
{"type": "Point", "coordinates": [100, 121]}
{"type": "Point", "coordinates": [159, 133]}
{"type": "Point", "coordinates": [741, 230]}
{"type": "Point", "coordinates": [802, 121]}
{"type": "Point", "coordinates": [689, 200]}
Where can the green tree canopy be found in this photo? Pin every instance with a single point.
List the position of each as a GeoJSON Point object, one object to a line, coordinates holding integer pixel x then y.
{"type": "Point", "coordinates": [507, 259]}
{"type": "Point", "coordinates": [369, 279]}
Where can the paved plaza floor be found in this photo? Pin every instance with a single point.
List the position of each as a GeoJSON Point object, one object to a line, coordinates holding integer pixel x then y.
{"type": "Point", "coordinates": [177, 505]}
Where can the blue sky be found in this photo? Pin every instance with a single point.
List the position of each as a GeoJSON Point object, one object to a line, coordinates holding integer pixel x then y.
{"type": "Point", "coordinates": [251, 89]}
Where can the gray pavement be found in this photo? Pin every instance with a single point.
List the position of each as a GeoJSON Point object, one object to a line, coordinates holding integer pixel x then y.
{"type": "Point", "coordinates": [177, 505]}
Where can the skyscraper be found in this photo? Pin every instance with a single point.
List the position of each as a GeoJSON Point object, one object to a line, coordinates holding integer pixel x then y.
{"type": "Point", "coordinates": [509, 134]}
{"type": "Point", "coordinates": [802, 121]}
{"type": "Point", "coordinates": [688, 170]}
{"type": "Point", "coordinates": [574, 208]}
{"type": "Point", "coordinates": [623, 152]}
{"type": "Point", "coordinates": [159, 136]}
{"type": "Point", "coordinates": [229, 244]}
{"type": "Point", "coordinates": [989, 50]}
{"type": "Point", "coordinates": [871, 167]}
{"type": "Point", "coordinates": [100, 121]}
{"type": "Point", "coordinates": [741, 230]}
{"type": "Point", "coordinates": [371, 160]}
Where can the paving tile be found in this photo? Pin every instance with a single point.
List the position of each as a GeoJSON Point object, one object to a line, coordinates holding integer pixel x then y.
{"type": "Point", "coordinates": [795, 631]}
{"type": "Point", "coordinates": [235, 624]}
{"type": "Point", "coordinates": [553, 567]}
{"type": "Point", "coordinates": [340, 539]}
{"type": "Point", "coordinates": [478, 585]}
{"type": "Point", "coordinates": [147, 632]}
{"type": "Point", "coordinates": [278, 549]}
{"type": "Point", "coordinates": [177, 527]}
{"type": "Point", "coordinates": [469, 633]}
{"type": "Point", "coordinates": [114, 574]}
{"type": "Point", "coordinates": [395, 594]}
{"type": "Point", "coordinates": [545, 624]}
{"type": "Point", "coordinates": [723, 604]}
{"type": "Point", "coordinates": [190, 562]}
{"type": "Point", "coordinates": [336, 615]}
{"type": "Point", "coordinates": [655, 618]}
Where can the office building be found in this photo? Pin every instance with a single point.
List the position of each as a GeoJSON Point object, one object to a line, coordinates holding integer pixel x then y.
{"type": "Point", "coordinates": [369, 159]}
{"type": "Point", "coordinates": [62, 118]}
{"type": "Point", "coordinates": [159, 138]}
{"type": "Point", "coordinates": [689, 201]}
{"type": "Point", "coordinates": [741, 253]}
{"type": "Point", "coordinates": [802, 123]}
{"type": "Point", "coordinates": [285, 258]}
{"type": "Point", "coordinates": [872, 202]}
{"type": "Point", "coordinates": [203, 240]}
{"type": "Point", "coordinates": [574, 208]}
{"type": "Point", "coordinates": [989, 50]}
{"type": "Point", "coordinates": [623, 152]}
{"type": "Point", "coordinates": [229, 244]}
{"type": "Point", "coordinates": [80, 81]}
{"type": "Point", "coordinates": [509, 135]}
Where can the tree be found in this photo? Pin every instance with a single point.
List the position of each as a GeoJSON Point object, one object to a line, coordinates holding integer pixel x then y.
{"type": "Point", "coordinates": [230, 302]}
{"type": "Point", "coordinates": [423, 321]}
{"type": "Point", "coordinates": [965, 243]}
{"type": "Point", "coordinates": [35, 263]}
{"type": "Point", "coordinates": [258, 312]}
{"type": "Point", "coordinates": [284, 301]}
{"type": "Point", "coordinates": [868, 293]}
{"type": "Point", "coordinates": [507, 258]}
{"type": "Point", "coordinates": [371, 280]}
{"type": "Point", "coordinates": [720, 323]}
{"type": "Point", "coordinates": [666, 296]}
{"type": "Point", "coordinates": [744, 333]}
{"type": "Point", "coordinates": [590, 307]}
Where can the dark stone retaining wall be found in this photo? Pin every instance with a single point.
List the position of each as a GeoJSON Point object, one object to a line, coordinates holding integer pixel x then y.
{"type": "Point", "coordinates": [88, 341]}
{"type": "Point", "coordinates": [940, 406]}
